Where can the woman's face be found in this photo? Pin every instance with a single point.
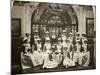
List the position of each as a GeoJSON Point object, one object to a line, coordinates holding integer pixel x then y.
{"type": "Point", "coordinates": [47, 34]}
{"type": "Point", "coordinates": [65, 48]}
{"type": "Point", "coordinates": [70, 35]}
{"type": "Point", "coordinates": [53, 33]}
{"type": "Point", "coordinates": [27, 41]}
{"type": "Point", "coordinates": [68, 41]}
{"type": "Point", "coordinates": [64, 33]}
{"type": "Point", "coordinates": [52, 50]}
{"type": "Point", "coordinates": [85, 48]}
{"type": "Point", "coordinates": [26, 47]}
{"type": "Point", "coordinates": [47, 41]}
{"type": "Point", "coordinates": [39, 41]}
{"type": "Point", "coordinates": [79, 47]}
{"type": "Point", "coordinates": [83, 37]}
{"type": "Point", "coordinates": [36, 34]}
{"type": "Point", "coordinates": [59, 41]}
{"type": "Point", "coordinates": [27, 35]}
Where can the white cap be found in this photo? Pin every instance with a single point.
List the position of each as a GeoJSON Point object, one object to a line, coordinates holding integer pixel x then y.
{"type": "Point", "coordinates": [70, 33]}
{"type": "Point", "coordinates": [52, 46]}
{"type": "Point", "coordinates": [65, 47]}
{"type": "Point", "coordinates": [38, 39]}
{"type": "Point", "coordinates": [83, 33]}
{"type": "Point", "coordinates": [68, 40]}
{"type": "Point", "coordinates": [77, 33]}
{"type": "Point", "coordinates": [46, 32]}
{"type": "Point", "coordinates": [59, 38]}
{"type": "Point", "coordinates": [48, 51]}
{"type": "Point", "coordinates": [85, 40]}
{"type": "Point", "coordinates": [64, 31]}
{"type": "Point", "coordinates": [35, 30]}
{"type": "Point", "coordinates": [78, 40]}
{"type": "Point", "coordinates": [47, 39]}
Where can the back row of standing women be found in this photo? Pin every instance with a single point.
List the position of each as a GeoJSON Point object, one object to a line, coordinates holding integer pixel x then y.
{"type": "Point", "coordinates": [68, 51]}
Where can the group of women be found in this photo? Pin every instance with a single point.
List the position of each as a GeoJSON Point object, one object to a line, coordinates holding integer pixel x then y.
{"type": "Point", "coordinates": [68, 51]}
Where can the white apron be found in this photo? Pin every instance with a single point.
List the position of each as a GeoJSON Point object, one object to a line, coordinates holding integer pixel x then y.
{"type": "Point", "coordinates": [37, 58]}
{"type": "Point", "coordinates": [58, 54]}
{"type": "Point", "coordinates": [67, 62]}
{"type": "Point", "coordinates": [47, 62]}
{"type": "Point", "coordinates": [26, 60]}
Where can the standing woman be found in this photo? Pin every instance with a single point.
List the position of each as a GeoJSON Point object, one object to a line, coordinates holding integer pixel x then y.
{"type": "Point", "coordinates": [47, 45]}
{"type": "Point", "coordinates": [86, 54]}
{"type": "Point", "coordinates": [59, 45]}
{"type": "Point", "coordinates": [36, 36]}
{"type": "Point", "coordinates": [77, 57]}
{"type": "Point", "coordinates": [47, 35]}
{"type": "Point", "coordinates": [37, 56]}
{"type": "Point", "coordinates": [77, 36]}
{"type": "Point", "coordinates": [63, 36]}
{"type": "Point", "coordinates": [69, 48]}
{"type": "Point", "coordinates": [53, 38]}
{"type": "Point", "coordinates": [25, 55]}
{"type": "Point", "coordinates": [70, 38]}
{"type": "Point", "coordinates": [84, 37]}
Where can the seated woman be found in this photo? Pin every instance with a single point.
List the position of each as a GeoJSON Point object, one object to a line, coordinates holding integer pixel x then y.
{"type": "Point", "coordinates": [58, 52]}
{"type": "Point", "coordinates": [67, 62]}
{"type": "Point", "coordinates": [49, 61]}
{"type": "Point", "coordinates": [37, 56]}
{"type": "Point", "coordinates": [86, 54]}
{"type": "Point", "coordinates": [77, 57]}
{"type": "Point", "coordinates": [25, 55]}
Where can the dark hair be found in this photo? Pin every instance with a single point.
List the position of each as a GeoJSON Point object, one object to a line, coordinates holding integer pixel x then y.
{"type": "Point", "coordinates": [30, 50]}
{"type": "Point", "coordinates": [50, 57]}
{"type": "Point", "coordinates": [73, 42]}
{"type": "Point", "coordinates": [79, 42]}
{"type": "Point", "coordinates": [23, 49]}
{"type": "Point", "coordinates": [81, 50]}
{"type": "Point", "coordinates": [84, 35]}
{"type": "Point", "coordinates": [77, 34]}
{"type": "Point", "coordinates": [25, 41]}
{"type": "Point", "coordinates": [27, 34]}
{"type": "Point", "coordinates": [86, 42]}
{"type": "Point", "coordinates": [88, 48]}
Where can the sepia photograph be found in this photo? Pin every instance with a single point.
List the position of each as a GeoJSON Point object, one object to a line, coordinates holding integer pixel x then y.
{"type": "Point", "coordinates": [52, 37]}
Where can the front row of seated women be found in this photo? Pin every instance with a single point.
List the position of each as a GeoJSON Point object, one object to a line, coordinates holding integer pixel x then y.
{"type": "Point", "coordinates": [51, 56]}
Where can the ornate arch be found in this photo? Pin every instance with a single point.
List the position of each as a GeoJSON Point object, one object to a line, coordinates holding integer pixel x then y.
{"type": "Point", "coordinates": [44, 12]}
